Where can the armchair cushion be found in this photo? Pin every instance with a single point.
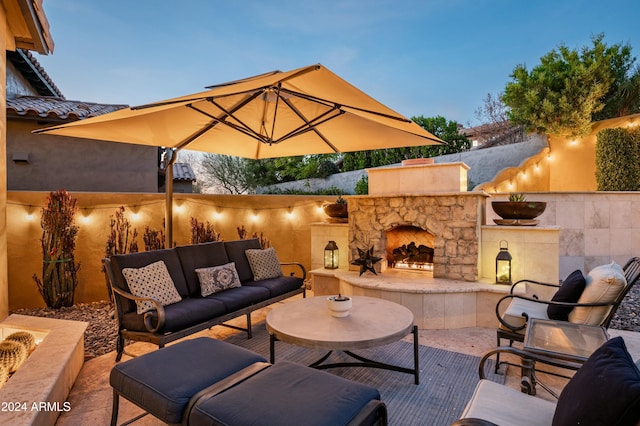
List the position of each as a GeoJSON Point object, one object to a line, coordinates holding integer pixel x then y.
{"type": "Point", "coordinates": [513, 314]}
{"type": "Point", "coordinates": [605, 390]}
{"type": "Point", "coordinates": [217, 278]}
{"type": "Point", "coordinates": [152, 281]}
{"type": "Point", "coordinates": [603, 285]}
{"type": "Point", "coordinates": [264, 263]}
{"type": "Point", "coordinates": [570, 292]}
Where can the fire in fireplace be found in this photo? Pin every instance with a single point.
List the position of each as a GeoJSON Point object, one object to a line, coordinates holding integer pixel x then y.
{"type": "Point", "coordinates": [412, 256]}
{"type": "Point", "coordinates": [410, 247]}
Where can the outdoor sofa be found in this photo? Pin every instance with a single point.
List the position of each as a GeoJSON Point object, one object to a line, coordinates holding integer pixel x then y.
{"type": "Point", "coordinates": [206, 382]}
{"type": "Point", "coordinates": [161, 298]}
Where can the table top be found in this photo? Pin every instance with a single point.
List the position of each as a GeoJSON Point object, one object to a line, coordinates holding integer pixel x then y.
{"type": "Point", "coordinates": [371, 322]}
{"type": "Point", "coordinates": [574, 342]}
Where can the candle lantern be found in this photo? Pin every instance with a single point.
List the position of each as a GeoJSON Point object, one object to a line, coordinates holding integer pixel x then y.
{"type": "Point", "coordinates": [331, 255]}
{"type": "Point", "coordinates": [503, 264]}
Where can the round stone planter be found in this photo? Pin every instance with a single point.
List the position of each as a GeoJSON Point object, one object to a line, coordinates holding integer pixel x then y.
{"type": "Point", "coordinates": [337, 212]}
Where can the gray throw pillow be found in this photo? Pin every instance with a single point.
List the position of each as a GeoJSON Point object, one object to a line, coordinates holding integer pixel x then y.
{"type": "Point", "coordinates": [217, 278]}
{"type": "Point", "coordinates": [264, 263]}
{"type": "Point", "coordinates": [152, 281]}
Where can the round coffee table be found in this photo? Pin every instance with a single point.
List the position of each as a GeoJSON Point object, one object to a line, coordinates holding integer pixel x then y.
{"type": "Point", "coordinates": [371, 322]}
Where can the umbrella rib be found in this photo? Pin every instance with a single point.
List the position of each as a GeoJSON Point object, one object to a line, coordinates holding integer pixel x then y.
{"type": "Point", "coordinates": [312, 127]}
{"type": "Point", "coordinates": [329, 103]}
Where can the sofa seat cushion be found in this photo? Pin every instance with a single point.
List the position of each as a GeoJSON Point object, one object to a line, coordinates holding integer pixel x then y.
{"type": "Point", "coordinates": [603, 284]}
{"type": "Point", "coordinates": [503, 405]}
{"type": "Point", "coordinates": [240, 297]}
{"type": "Point", "coordinates": [605, 390]}
{"type": "Point", "coordinates": [513, 313]}
{"type": "Point", "coordinates": [281, 395]}
{"type": "Point", "coordinates": [278, 286]}
{"type": "Point", "coordinates": [151, 281]}
{"type": "Point", "coordinates": [179, 315]}
{"type": "Point", "coordinates": [162, 382]}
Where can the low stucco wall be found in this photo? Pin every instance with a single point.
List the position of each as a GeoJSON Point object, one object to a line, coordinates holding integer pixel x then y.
{"type": "Point", "coordinates": [284, 220]}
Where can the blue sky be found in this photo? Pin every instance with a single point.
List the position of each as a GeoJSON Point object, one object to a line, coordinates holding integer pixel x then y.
{"type": "Point", "coordinates": [429, 57]}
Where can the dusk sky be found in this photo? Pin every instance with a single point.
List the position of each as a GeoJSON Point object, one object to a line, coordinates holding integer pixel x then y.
{"type": "Point", "coordinates": [430, 57]}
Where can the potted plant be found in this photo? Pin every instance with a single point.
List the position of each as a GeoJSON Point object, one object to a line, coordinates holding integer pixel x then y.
{"type": "Point", "coordinates": [518, 211]}
{"type": "Point", "coordinates": [339, 306]}
{"type": "Point", "coordinates": [338, 210]}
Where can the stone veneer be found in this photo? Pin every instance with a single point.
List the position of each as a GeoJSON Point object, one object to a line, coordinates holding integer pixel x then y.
{"type": "Point", "coordinates": [455, 220]}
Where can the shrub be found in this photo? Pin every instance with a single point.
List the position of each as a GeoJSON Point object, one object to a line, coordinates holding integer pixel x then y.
{"type": "Point", "coordinates": [362, 186]}
{"type": "Point", "coordinates": [618, 160]}
{"type": "Point", "coordinates": [203, 232]}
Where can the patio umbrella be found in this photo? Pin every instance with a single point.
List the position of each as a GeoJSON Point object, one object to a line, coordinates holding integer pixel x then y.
{"type": "Point", "coordinates": [308, 110]}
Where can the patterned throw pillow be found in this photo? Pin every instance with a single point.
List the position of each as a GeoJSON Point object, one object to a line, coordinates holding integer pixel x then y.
{"type": "Point", "coordinates": [217, 278]}
{"type": "Point", "coordinates": [264, 263]}
{"type": "Point", "coordinates": [151, 281]}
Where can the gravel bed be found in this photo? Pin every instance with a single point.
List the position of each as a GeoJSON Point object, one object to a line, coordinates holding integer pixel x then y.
{"type": "Point", "coordinates": [100, 337]}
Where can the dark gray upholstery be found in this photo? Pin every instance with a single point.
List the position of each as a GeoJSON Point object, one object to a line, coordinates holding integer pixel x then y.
{"type": "Point", "coordinates": [286, 394]}
{"type": "Point", "coordinates": [194, 313]}
{"type": "Point", "coordinates": [197, 256]}
{"type": "Point", "coordinates": [163, 382]}
{"type": "Point", "coordinates": [236, 253]}
{"type": "Point", "coordinates": [205, 381]}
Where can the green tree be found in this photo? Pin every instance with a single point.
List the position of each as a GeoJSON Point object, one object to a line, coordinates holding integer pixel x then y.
{"type": "Point", "coordinates": [438, 126]}
{"type": "Point", "coordinates": [569, 88]}
{"type": "Point", "coordinates": [227, 172]}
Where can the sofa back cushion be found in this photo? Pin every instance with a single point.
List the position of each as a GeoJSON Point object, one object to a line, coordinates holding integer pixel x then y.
{"type": "Point", "coordinates": [604, 284]}
{"type": "Point", "coordinates": [138, 260]}
{"type": "Point", "coordinates": [198, 256]}
{"type": "Point", "coordinates": [236, 252]}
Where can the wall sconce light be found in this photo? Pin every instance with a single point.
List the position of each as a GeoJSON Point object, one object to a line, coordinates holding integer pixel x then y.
{"type": "Point", "coordinates": [331, 255]}
{"type": "Point", "coordinates": [29, 214]}
{"type": "Point", "coordinates": [503, 264]}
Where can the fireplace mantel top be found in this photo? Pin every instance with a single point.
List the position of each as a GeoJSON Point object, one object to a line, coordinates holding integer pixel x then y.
{"type": "Point", "coordinates": [430, 194]}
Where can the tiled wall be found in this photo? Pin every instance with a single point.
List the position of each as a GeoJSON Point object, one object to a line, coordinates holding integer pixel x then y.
{"type": "Point", "coordinates": [595, 228]}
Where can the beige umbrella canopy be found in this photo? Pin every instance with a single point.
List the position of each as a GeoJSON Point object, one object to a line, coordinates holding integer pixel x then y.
{"type": "Point", "coordinates": [308, 110]}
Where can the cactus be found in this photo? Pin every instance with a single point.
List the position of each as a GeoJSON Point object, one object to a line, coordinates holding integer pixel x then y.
{"type": "Point", "coordinates": [23, 337]}
{"type": "Point", "coordinates": [517, 197]}
{"type": "Point", "coordinates": [12, 355]}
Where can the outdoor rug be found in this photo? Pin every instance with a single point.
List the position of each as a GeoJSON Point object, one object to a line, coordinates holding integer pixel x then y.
{"type": "Point", "coordinates": [447, 379]}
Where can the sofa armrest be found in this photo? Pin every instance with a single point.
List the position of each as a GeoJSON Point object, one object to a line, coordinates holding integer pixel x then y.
{"type": "Point", "coordinates": [300, 265]}
{"type": "Point", "coordinates": [147, 315]}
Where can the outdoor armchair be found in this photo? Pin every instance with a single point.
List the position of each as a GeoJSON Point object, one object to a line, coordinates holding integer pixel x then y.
{"type": "Point", "coordinates": [592, 300]}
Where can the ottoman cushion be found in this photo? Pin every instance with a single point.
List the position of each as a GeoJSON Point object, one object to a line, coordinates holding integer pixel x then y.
{"type": "Point", "coordinates": [286, 394]}
{"type": "Point", "coordinates": [162, 382]}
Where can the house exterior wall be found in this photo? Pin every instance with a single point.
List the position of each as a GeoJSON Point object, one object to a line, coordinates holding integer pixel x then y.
{"type": "Point", "coordinates": [57, 162]}
{"type": "Point", "coordinates": [4, 283]}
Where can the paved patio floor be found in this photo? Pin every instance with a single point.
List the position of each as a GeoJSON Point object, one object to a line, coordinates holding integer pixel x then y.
{"type": "Point", "coordinates": [91, 396]}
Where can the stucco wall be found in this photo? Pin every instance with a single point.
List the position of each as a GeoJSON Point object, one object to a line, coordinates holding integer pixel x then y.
{"type": "Point", "coordinates": [4, 30]}
{"type": "Point", "coordinates": [74, 164]}
{"type": "Point", "coordinates": [284, 220]}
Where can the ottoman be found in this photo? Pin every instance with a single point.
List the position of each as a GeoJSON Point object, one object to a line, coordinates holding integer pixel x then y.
{"type": "Point", "coordinates": [164, 381]}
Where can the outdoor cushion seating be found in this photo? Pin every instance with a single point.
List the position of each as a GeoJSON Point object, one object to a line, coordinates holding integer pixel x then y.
{"type": "Point", "coordinates": [592, 300]}
{"type": "Point", "coordinates": [159, 298]}
{"type": "Point", "coordinates": [605, 390]}
{"type": "Point", "coordinates": [205, 381]}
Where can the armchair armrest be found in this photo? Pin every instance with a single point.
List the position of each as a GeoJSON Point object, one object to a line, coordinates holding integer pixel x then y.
{"type": "Point", "coordinates": [513, 287]}
{"type": "Point", "coordinates": [147, 315]}
{"type": "Point", "coordinates": [299, 265]}
{"type": "Point", "coordinates": [526, 358]}
{"type": "Point", "coordinates": [534, 299]}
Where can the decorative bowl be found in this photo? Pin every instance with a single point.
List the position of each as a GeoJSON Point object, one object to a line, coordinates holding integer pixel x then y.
{"type": "Point", "coordinates": [518, 209]}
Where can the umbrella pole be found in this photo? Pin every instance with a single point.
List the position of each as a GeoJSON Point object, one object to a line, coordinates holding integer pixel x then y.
{"type": "Point", "coordinates": [170, 158]}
